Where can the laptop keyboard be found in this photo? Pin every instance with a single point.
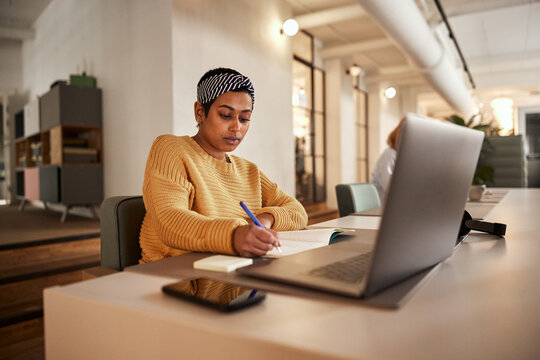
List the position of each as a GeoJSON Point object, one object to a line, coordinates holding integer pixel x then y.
{"type": "Point", "coordinates": [350, 270]}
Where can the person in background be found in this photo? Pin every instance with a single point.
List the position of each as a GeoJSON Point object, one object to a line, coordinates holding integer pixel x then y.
{"type": "Point", "coordinates": [192, 185]}
{"type": "Point", "coordinates": [384, 167]}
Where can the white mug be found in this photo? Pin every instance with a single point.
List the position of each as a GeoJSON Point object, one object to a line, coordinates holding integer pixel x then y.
{"type": "Point", "coordinates": [476, 192]}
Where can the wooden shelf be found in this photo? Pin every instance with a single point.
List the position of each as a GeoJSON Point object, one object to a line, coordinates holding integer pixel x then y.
{"type": "Point", "coordinates": [85, 142]}
{"type": "Point", "coordinates": [24, 156]}
{"type": "Point", "coordinates": [62, 162]}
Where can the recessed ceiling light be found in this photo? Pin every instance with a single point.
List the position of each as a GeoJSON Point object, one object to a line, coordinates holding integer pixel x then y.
{"type": "Point", "coordinates": [355, 70]}
{"type": "Point", "coordinates": [290, 27]}
{"type": "Point", "coordinates": [390, 92]}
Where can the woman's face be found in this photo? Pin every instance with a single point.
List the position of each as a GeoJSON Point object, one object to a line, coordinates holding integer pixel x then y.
{"type": "Point", "coordinates": [226, 124]}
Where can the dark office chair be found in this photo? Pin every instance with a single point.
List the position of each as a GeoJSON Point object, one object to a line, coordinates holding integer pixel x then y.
{"type": "Point", "coordinates": [121, 219]}
{"type": "Point", "coordinates": [356, 197]}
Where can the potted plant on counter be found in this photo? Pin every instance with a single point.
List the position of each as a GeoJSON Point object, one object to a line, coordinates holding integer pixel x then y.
{"type": "Point", "coordinates": [483, 175]}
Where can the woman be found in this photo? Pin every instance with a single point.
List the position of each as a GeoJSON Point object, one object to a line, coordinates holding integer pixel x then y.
{"type": "Point", "coordinates": [192, 186]}
{"type": "Point", "coordinates": [384, 167]}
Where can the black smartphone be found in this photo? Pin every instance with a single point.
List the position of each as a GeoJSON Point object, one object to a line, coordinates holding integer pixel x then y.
{"type": "Point", "coordinates": [215, 294]}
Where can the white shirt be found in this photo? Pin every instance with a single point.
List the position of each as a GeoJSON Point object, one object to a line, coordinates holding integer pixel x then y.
{"type": "Point", "coordinates": [383, 171]}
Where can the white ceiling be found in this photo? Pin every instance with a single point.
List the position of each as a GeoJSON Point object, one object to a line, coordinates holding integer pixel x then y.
{"type": "Point", "coordinates": [17, 17]}
{"type": "Point", "coordinates": [499, 39]}
{"type": "Point", "coordinates": [502, 39]}
{"type": "Point", "coordinates": [460, 7]}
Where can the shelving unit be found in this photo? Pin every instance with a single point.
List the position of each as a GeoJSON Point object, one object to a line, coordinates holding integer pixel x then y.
{"type": "Point", "coordinates": [61, 163]}
{"type": "Point", "coordinates": [71, 144]}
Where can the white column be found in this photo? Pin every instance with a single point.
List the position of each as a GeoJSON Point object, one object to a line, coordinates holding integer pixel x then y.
{"type": "Point", "coordinates": [340, 129]}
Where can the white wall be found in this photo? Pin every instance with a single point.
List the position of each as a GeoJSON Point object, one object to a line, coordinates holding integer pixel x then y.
{"type": "Point", "coordinates": [389, 116]}
{"type": "Point", "coordinates": [12, 99]}
{"type": "Point", "coordinates": [348, 128]}
{"type": "Point", "coordinates": [243, 35]}
{"type": "Point", "coordinates": [384, 115]}
{"type": "Point", "coordinates": [340, 129]}
{"type": "Point", "coordinates": [126, 44]}
{"type": "Point", "coordinates": [408, 99]}
{"type": "Point", "coordinates": [10, 66]}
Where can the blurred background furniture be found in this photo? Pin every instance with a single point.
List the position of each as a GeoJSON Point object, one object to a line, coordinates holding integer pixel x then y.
{"type": "Point", "coordinates": [506, 155]}
{"type": "Point", "coordinates": [58, 148]}
{"type": "Point", "coordinates": [530, 123]}
{"type": "Point", "coordinates": [356, 197]}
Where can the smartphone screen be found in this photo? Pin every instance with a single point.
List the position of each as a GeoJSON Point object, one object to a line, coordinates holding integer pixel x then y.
{"type": "Point", "coordinates": [216, 294]}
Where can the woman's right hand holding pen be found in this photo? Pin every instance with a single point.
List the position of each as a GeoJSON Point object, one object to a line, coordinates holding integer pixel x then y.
{"type": "Point", "coordinates": [251, 240]}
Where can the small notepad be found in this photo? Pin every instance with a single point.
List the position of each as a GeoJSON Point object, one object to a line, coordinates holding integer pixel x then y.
{"type": "Point", "coordinates": [222, 263]}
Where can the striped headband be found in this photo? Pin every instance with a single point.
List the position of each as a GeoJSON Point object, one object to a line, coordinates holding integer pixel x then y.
{"type": "Point", "coordinates": [209, 89]}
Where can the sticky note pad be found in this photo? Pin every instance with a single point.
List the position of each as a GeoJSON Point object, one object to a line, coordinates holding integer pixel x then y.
{"type": "Point", "coordinates": [223, 263]}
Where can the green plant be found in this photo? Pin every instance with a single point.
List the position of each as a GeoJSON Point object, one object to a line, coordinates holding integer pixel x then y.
{"type": "Point", "coordinates": [483, 175]}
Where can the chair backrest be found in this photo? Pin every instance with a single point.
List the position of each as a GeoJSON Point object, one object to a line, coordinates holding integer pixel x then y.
{"type": "Point", "coordinates": [121, 219]}
{"type": "Point", "coordinates": [506, 155]}
{"type": "Point", "coordinates": [356, 197]}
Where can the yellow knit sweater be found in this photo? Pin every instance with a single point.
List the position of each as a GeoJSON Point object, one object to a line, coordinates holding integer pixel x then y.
{"type": "Point", "coordinates": [192, 200]}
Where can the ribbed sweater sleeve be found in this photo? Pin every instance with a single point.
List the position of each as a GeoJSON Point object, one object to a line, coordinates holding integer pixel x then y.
{"type": "Point", "coordinates": [184, 229]}
{"type": "Point", "coordinates": [288, 213]}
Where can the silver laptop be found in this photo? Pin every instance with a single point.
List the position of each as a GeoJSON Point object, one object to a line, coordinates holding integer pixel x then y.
{"type": "Point", "coordinates": [420, 223]}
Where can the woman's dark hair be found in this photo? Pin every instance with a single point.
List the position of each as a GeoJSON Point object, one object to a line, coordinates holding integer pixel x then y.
{"type": "Point", "coordinates": [393, 137]}
{"type": "Point", "coordinates": [218, 71]}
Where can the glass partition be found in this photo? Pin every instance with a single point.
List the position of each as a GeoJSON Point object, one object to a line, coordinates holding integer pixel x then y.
{"type": "Point", "coordinates": [308, 123]}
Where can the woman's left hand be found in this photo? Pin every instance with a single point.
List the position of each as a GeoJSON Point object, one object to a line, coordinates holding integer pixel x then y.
{"type": "Point", "coordinates": [266, 219]}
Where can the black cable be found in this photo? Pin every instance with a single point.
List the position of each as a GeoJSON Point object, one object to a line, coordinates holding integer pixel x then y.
{"type": "Point", "coordinates": [451, 34]}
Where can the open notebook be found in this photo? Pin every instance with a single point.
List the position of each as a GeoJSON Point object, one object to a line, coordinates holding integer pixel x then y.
{"type": "Point", "coordinates": [293, 242]}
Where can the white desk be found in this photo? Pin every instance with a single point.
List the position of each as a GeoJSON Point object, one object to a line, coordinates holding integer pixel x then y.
{"type": "Point", "coordinates": [350, 222]}
{"type": "Point", "coordinates": [482, 303]}
{"type": "Point", "coordinates": [478, 210]}
{"type": "Point", "coordinates": [371, 219]}
{"type": "Point", "coordinates": [492, 196]}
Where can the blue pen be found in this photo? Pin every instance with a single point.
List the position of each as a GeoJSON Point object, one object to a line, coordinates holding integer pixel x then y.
{"type": "Point", "coordinates": [254, 219]}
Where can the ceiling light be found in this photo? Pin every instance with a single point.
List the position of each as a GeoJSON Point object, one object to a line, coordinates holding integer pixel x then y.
{"type": "Point", "coordinates": [503, 109]}
{"type": "Point", "coordinates": [290, 27]}
{"type": "Point", "coordinates": [390, 92]}
{"type": "Point", "coordinates": [354, 70]}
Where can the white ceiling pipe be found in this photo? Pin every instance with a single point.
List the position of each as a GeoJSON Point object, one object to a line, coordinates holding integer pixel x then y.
{"type": "Point", "coordinates": [330, 16]}
{"type": "Point", "coordinates": [404, 23]}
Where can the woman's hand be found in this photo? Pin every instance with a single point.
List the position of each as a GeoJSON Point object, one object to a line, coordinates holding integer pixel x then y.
{"type": "Point", "coordinates": [266, 219]}
{"type": "Point", "coordinates": [251, 240]}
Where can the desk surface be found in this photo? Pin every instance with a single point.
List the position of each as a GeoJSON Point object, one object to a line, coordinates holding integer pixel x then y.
{"type": "Point", "coordinates": [350, 222]}
{"type": "Point", "coordinates": [482, 303]}
{"type": "Point", "coordinates": [478, 209]}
